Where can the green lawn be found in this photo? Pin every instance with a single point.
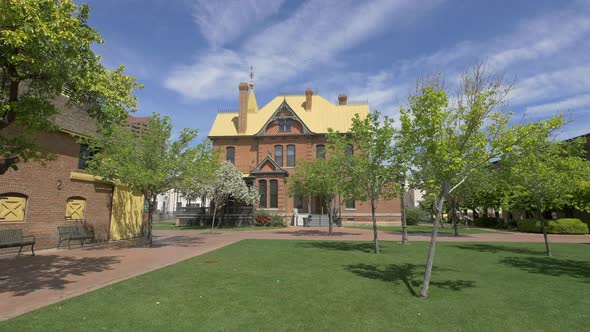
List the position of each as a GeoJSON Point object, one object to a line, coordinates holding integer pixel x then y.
{"type": "Point", "coordinates": [340, 286]}
{"type": "Point", "coordinates": [171, 225]}
{"type": "Point", "coordinates": [426, 229]}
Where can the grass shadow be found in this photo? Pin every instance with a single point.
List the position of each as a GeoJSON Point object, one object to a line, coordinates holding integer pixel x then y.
{"type": "Point", "coordinates": [410, 275]}
{"type": "Point", "coordinates": [496, 248]}
{"type": "Point", "coordinates": [366, 247]}
{"type": "Point", "coordinates": [550, 266]}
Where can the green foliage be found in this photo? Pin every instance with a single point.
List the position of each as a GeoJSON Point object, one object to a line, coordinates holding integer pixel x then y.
{"type": "Point", "coordinates": [529, 226]}
{"type": "Point", "coordinates": [567, 226]}
{"type": "Point", "coordinates": [375, 165]}
{"type": "Point", "coordinates": [546, 174]}
{"type": "Point", "coordinates": [277, 220]}
{"type": "Point", "coordinates": [416, 215]}
{"type": "Point", "coordinates": [149, 162]}
{"type": "Point", "coordinates": [321, 178]}
{"type": "Point", "coordinates": [46, 50]}
{"type": "Point", "coordinates": [559, 226]}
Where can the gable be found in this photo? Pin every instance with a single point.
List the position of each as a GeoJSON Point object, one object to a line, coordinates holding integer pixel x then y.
{"type": "Point", "coordinates": [284, 121]}
{"type": "Point", "coordinates": [268, 166]}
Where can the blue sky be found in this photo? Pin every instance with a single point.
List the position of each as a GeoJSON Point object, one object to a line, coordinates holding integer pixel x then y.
{"type": "Point", "coordinates": [191, 54]}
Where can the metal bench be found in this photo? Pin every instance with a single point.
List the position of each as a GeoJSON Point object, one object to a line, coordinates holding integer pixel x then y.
{"type": "Point", "coordinates": [69, 233]}
{"type": "Point", "coordinates": [10, 238]}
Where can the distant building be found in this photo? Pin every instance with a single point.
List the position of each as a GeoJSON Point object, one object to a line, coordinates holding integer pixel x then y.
{"type": "Point", "coordinates": [266, 144]}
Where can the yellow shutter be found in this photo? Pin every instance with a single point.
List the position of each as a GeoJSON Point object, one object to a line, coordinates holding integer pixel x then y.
{"type": "Point", "coordinates": [12, 208]}
{"type": "Point", "coordinates": [75, 208]}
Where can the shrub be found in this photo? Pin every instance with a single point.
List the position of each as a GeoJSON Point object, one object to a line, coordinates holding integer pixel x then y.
{"type": "Point", "coordinates": [529, 226]}
{"type": "Point", "coordinates": [486, 222]}
{"type": "Point", "coordinates": [559, 226]}
{"type": "Point", "coordinates": [567, 226]}
{"type": "Point", "coordinates": [415, 216]}
{"type": "Point", "coordinates": [261, 218]}
{"type": "Point", "coordinates": [276, 221]}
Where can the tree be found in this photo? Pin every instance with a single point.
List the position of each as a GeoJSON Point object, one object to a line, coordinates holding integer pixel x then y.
{"type": "Point", "coordinates": [373, 171]}
{"type": "Point", "coordinates": [548, 172]}
{"type": "Point", "coordinates": [45, 51]}
{"type": "Point", "coordinates": [321, 178]}
{"type": "Point", "coordinates": [148, 161]}
{"type": "Point", "coordinates": [445, 142]}
{"type": "Point", "coordinates": [226, 183]}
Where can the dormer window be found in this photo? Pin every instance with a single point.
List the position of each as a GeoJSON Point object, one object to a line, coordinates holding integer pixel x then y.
{"type": "Point", "coordinates": [284, 125]}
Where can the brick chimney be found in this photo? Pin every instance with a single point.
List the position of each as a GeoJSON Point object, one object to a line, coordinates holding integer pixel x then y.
{"type": "Point", "coordinates": [308, 95]}
{"type": "Point", "coordinates": [342, 99]}
{"type": "Point", "coordinates": [243, 104]}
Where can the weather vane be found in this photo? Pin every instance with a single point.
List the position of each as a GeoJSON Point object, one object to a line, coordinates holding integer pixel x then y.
{"type": "Point", "coordinates": [251, 76]}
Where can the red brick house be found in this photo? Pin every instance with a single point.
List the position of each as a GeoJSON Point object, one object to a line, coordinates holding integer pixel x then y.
{"type": "Point", "coordinates": [266, 143]}
{"type": "Point", "coordinates": [39, 197]}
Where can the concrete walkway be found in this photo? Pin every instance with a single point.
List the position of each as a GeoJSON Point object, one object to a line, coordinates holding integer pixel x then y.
{"type": "Point", "coordinates": [28, 283]}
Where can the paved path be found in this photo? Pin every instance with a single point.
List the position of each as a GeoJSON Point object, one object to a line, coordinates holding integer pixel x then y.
{"type": "Point", "coordinates": [28, 283]}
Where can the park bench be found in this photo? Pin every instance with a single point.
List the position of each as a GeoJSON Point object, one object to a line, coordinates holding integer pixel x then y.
{"type": "Point", "coordinates": [10, 238]}
{"type": "Point", "coordinates": [77, 232]}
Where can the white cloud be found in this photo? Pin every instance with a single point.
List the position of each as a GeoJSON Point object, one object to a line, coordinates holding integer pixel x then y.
{"type": "Point", "coordinates": [221, 21]}
{"type": "Point", "coordinates": [313, 35]}
{"type": "Point", "coordinates": [562, 106]}
{"type": "Point", "coordinates": [552, 84]}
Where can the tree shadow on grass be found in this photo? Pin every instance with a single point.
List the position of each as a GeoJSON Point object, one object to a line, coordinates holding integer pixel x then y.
{"type": "Point", "coordinates": [551, 266]}
{"type": "Point", "coordinates": [315, 232]}
{"type": "Point", "coordinates": [410, 275]}
{"type": "Point", "coordinates": [24, 275]}
{"type": "Point", "coordinates": [339, 246]}
{"type": "Point", "coordinates": [496, 248]}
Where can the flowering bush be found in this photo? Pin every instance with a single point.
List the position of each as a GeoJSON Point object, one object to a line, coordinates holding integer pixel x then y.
{"type": "Point", "coordinates": [262, 220]}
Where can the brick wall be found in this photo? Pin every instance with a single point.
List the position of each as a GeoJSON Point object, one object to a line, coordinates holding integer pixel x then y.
{"type": "Point", "coordinates": [46, 203]}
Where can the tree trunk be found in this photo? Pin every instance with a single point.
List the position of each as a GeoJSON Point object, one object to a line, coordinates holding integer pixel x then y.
{"type": "Point", "coordinates": [403, 217]}
{"type": "Point", "coordinates": [329, 208]}
{"type": "Point", "coordinates": [431, 251]}
{"type": "Point", "coordinates": [213, 221]}
{"type": "Point", "coordinates": [455, 219]}
{"type": "Point", "coordinates": [375, 236]}
{"type": "Point", "coordinates": [542, 221]}
{"type": "Point", "coordinates": [150, 223]}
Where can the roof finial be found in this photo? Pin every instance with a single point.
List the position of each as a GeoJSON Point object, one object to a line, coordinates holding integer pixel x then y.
{"type": "Point", "coordinates": [251, 77]}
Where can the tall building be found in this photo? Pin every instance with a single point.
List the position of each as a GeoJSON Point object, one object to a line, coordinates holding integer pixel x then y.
{"type": "Point", "coordinates": [266, 144]}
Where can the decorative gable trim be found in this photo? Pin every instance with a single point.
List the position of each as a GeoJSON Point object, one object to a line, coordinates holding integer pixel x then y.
{"type": "Point", "coordinates": [258, 169]}
{"type": "Point", "coordinates": [284, 112]}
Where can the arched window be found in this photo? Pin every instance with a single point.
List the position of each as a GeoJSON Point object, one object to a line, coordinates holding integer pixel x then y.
{"type": "Point", "coordinates": [274, 194]}
{"type": "Point", "coordinates": [279, 155]}
{"type": "Point", "coordinates": [320, 151]}
{"type": "Point", "coordinates": [12, 207]}
{"type": "Point", "coordinates": [349, 151]}
{"type": "Point", "coordinates": [230, 154]}
{"type": "Point", "coordinates": [75, 208]}
{"type": "Point", "coordinates": [262, 192]}
{"type": "Point", "coordinates": [290, 155]}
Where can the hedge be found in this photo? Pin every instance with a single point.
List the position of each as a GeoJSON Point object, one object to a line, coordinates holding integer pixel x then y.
{"type": "Point", "coordinates": [486, 222]}
{"type": "Point", "coordinates": [559, 226]}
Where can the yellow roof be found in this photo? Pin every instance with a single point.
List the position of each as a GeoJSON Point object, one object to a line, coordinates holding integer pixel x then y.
{"type": "Point", "coordinates": [323, 115]}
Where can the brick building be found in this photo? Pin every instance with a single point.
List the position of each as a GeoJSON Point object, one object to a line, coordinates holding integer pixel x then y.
{"type": "Point", "coordinates": [39, 197]}
{"type": "Point", "coordinates": [266, 143]}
